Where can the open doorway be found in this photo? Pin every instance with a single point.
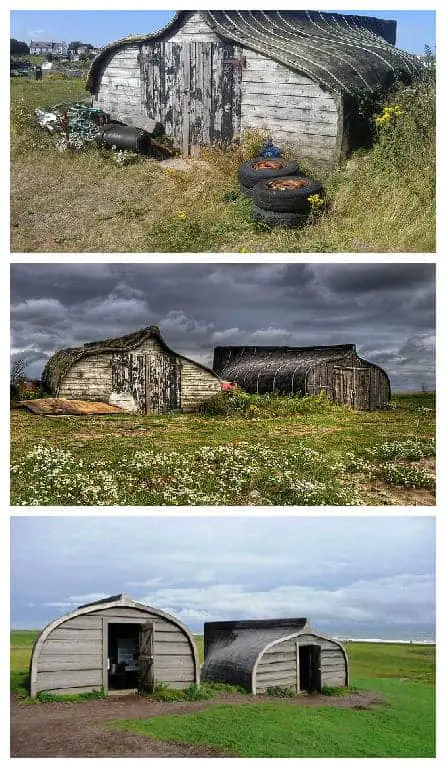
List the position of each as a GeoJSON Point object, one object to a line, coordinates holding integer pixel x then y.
{"type": "Point", "coordinates": [123, 656]}
{"type": "Point", "coordinates": [310, 667]}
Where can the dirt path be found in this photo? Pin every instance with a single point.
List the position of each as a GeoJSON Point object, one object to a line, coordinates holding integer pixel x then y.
{"type": "Point", "coordinates": [78, 729]}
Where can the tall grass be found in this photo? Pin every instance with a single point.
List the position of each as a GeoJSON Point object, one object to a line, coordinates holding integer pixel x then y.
{"type": "Point", "coordinates": [381, 199]}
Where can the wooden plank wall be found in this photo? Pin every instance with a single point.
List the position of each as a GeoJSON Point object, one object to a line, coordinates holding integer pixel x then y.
{"type": "Point", "coordinates": [291, 106]}
{"type": "Point", "coordinates": [119, 88]}
{"type": "Point", "coordinates": [193, 29]}
{"type": "Point", "coordinates": [333, 664]}
{"type": "Point", "coordinates": [91, 379]}
{"type": "Point", "coordinates": [372, 389]}
{"type": "Point", "coordinates": [71, 657]}
{"type": "Point", "coordinates": [277, 666]}
{"type": "Point", "coordinates": [88, 379]}
{"type": "Point", "coordinates": [197, 385]}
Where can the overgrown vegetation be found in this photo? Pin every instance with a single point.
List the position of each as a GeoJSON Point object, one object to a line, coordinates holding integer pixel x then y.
{"type": "Point", "coordinates": [382, 199]}
{"type": "Point", "coordinates": [303, 452]}
{"type": "Point", "coordinates": [204, 692]}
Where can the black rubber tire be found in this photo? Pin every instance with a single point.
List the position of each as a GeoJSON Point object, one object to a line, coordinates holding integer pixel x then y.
{"type": "Point", "coordinates": [247, 191]}
{"type": "Point", "coordinates": [249, 176]}
{"type": "Point", "coordinates": [285, 219]}
{"type": "Point", "coordinates": [288, 200]}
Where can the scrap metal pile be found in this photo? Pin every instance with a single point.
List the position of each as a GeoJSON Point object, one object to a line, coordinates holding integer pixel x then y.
{"type": "Point", "coordinates": [80, 124]}
{"type": "Point", "coordinates": [80, 119]}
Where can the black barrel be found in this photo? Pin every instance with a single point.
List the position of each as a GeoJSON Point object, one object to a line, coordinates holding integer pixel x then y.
{"type": "Point", "coordinates": [125, 137]}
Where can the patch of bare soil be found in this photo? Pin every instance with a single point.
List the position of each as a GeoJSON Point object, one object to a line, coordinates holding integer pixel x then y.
{"type": "Point", "coordinates": [79, 729]}
{"type": "Point", "coordinates": [183, 164]}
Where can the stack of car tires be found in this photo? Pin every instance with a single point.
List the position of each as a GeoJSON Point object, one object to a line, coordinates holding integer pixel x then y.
{"type": "Point", "coordinates": [279, 192]}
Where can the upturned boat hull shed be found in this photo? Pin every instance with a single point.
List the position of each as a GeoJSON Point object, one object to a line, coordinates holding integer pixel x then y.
{"type": "Point", "coordinates": [209, 75]}
{"type": "Point", "coordinates": [137, 372]}
{"type": "Point", "coordinates": [276, 653]}
{"type": "Point", "coordinates": [112, 645]}
{"type": "Point", "coordinates": [337, 370]}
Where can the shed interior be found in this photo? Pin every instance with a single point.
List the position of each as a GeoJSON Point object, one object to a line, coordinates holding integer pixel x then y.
{"type": "Point", "coordinates": [123, 656]}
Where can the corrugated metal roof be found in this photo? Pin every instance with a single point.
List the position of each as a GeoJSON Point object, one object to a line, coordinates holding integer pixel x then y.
{"type": "Point", "coordinates": [344, 54]}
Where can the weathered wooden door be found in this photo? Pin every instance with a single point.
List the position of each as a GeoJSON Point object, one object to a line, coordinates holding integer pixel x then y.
{"type": "Point", "coordinates": [193, 89]}
{"type": "Point", "coordinates": [163, 383]}
{"type": "Point", "coordinates": [146, 672]}
{"type": "Point", "coordinates": [352, 387]}
{"type": "Point", "coordinates": [129, 378]}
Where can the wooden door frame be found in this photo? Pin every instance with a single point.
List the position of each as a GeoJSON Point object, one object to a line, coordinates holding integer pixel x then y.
{"type": "Point", "coordinates": [105, 625]}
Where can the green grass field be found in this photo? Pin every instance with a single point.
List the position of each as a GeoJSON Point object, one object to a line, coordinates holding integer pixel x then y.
{"type": "Point", "coordinates": [382, 199]}
{"type": "Point", "coordinates": [322, 454]}
{"type": "Point", "coordinates": [403, 726]}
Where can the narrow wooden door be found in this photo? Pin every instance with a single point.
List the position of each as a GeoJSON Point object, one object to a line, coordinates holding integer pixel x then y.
{"type": "Point", "coordinates": [163, 383]}
{"type": "Point", "coordinates": [129, 377]}
{"type": "Point", "coordinates": [193, 89]}
{"type": "Point", "coordinates": [352, 386]}
{"type": "Point", "coordinates": [146, 672]}
{"type": "Point", "coordinates": [362, 381]}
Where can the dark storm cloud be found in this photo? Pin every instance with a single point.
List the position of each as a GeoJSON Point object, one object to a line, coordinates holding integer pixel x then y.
{"type": "Point", "coordinates": [386, 309]}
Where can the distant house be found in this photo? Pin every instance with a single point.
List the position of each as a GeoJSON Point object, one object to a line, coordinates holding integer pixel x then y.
{"type": "Point", "coordinates": [84, 51]}
{"type": "Point", "coordinates": [40, 48]}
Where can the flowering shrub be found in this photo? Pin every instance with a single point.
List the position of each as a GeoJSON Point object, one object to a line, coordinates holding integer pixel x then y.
{"type": "Point", "coordinates": [388, 114]}
{"type": "Point", "coordinates": [406, 449]}
{"type": "Point", "coordinates": [410, 477]}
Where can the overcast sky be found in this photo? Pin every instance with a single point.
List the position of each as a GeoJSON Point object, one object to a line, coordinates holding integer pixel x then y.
{"type": "Point", "coordinates": [351, 576]}
{"type": "Point", "coordinates": [387, 310]}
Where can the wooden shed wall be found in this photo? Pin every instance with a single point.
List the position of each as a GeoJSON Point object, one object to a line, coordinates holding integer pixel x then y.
{"type": "Point", "coordinates": [197, 385]}
{"type": "Point", "coordinates": [364, 388]}
{"type": "Point", "coordinates": [71, 658]}
{"type": "Point", "coordinates": [278, 665]}
{"type": "Point", "coordinates": [91, 378]}
{"type": "Point", "coordinates": [119, 89]}
{"type": "Point", "coordinates": [334, 671]}
{"type": "Point", "coordinates": [292, 107]}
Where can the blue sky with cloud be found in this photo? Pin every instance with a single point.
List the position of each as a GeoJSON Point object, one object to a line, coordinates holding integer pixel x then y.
{"type": "Point", "coordinates": [355, 577]}
{"type": "Point", "coordinates": [414, 28]}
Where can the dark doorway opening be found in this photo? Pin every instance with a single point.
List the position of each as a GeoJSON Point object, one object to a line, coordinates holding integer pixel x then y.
{"type": "Point", "coordinates": [310, 667]}
{"type": "Point", "coordinates": [123, 654]}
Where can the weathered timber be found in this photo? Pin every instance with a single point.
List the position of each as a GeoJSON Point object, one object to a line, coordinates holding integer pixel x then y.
{"type": "Point", "coordinates": [138, 372]}
{"type": "Point", "coordinates": [264, 654]}
{"type": "Point", "coordinates": [73, 653]}
{"type": "Point", "coordinates": [207, 75]}
{"type": "Point", "coordinates": [337, 370]}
